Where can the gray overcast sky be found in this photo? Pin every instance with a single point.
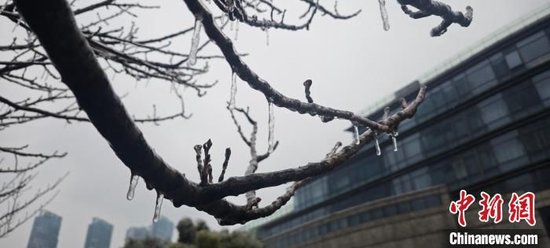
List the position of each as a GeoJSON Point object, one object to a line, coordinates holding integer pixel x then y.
{"type": "Point", "coordinates": [352, 64]}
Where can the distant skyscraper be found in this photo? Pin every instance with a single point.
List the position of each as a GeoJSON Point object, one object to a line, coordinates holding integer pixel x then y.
{"type": "Point", "coordinates": [45, 230]}
{"type": "Point", "coordinates": [137, 233]}
{"type": "Point", "coordinates": [99, 234]}
{"type": "Point", "coordinates": [163, 228]}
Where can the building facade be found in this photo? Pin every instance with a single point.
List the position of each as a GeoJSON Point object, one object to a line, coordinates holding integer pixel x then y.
{"type": "Point", "coordinates": [484, 126]}
{"type": "Point", "coordinates": [45, 230]}
{"type": "Point", "coordinates": [99, 234]}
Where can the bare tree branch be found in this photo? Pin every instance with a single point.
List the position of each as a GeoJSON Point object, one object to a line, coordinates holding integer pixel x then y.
{"type": "Point", "coordinates": [74, 56]}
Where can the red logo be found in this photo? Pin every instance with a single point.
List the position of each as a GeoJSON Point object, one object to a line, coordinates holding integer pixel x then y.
{"type": "Point", "coordinates": [520, 207]}
{"type": "Point", "coordinates": [490, 207]}
{"type": "Point", "coordinates": [461, 206]}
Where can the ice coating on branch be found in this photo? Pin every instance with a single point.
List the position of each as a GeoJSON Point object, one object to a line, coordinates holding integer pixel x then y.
{"type": "Point", "coordinates": [16, 24]}
{"type": "Point", "coordinates": [377, 145]}
{"type": "Point", "coordinates": [266, 37]}
{"type": "Point", "coordinates": [233, 90]}
{"type": "Point", "coordinates": [384, 14]}
{"type": "Point", "coordinates": [394, 140]}
{"type": "Point", "coordinates": [271, 125]}
{"type": "Point", "coordinates": [195, 42]}
{"type": "Point", "coordinates": [133, 183]}
{"type": "Point", "coordinates": [158, 205]}
{"type": "Point", "coordinates": [356, 135]}
{"type": "Point", "coordinates": [236, 30]}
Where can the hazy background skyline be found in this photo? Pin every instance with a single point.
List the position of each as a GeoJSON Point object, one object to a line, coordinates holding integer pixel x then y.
{"type": "Point", "coordinates": [353, 63]}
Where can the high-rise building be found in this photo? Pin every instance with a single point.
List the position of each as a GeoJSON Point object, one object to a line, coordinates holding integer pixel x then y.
{"type": "Point", "coordinates": [484, 126]}
{"type": "Point", "coordinates": [138, 233]}
{"type": "Point", "coordinates": [45, 230]}
{"type": "Point", "coordinates": [99, 234]}
{"type": "Point", "coordinates": [163, 229]}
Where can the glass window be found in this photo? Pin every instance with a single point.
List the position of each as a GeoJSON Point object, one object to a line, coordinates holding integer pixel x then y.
{"type": "Point", "coordinates": [404, 207]}
{"type": "Point", "coordinates": [513, 60]}
{"type": "Point", "coordinates": [402, 184]}
{"type": "Point", "coordinates": [522, 98]}
{"type": "Point", "coordinates": [412, 146]}
{"type": "Point", "coordinates": [459, 167]}
{"type": "Point", "coordinates": [426, 110]}
{"type": "Point", "coordinates": [493, 109]}
{"type": "Point", "coordinates": [418, 204]}
{"type": "Point", "coordinates": [459, 132]}
{"type": "Point", "coordinates": [542, 83]}
{"type": "Point", "coordinates": [317, 191]}
{"type": "Point", "coordinates": [507, 147]}
{"type": "Point", "coordinates": [485, 155]}
{"type": "Point", "coordinates": [433, 139]}
{"type": "Point", "coordinates": [343, 222]}
{"type": "Point", "coordinates": [481, 76]}
{"type": "Point", "coordinates": [438, 98]}
{"type": "Point", "coordinates": [390, 210]}
{"type": "Point", "coordinates": [449, 93]}
{"type": "Point", "coordinates": [432, 201]}
{"type": "Point", "coordinates": [536, 137]}
{"type": "Point", "coordinates": [365, 217]}
{"type": "Point", "coordinates": [499, 65]}
{"type": "Point", "coordinates": [390, 158]}
{"type": "Point", "coordinates": [421, 179]}
{"type": "Point", "coordinates": [324, 229]}
{"type": "Point", "coordinates": [534, 46]}
{"type": "Point", "coordinates": [377, 213]}
{"type": "Point", "coordinates": [461, 84]}
{"type": "Point", "coordinates": [354, 220]}
{"type": "Point", "coordinates": [340, 182]}
{"type": "Point", "coordinates": [438, 173]}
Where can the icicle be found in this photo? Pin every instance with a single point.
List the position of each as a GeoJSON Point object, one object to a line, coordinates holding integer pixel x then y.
{"type": "Point", "coordinates": [195, 42]}
{"type": "Point", "coordinates": [271, 124]}
{"type": "Point", "coordinates": [394, 140]}
{"type": "Point", "coordinates": [158, 205]}
{"type": "Point", "coordinates": [267, 37]}
{"type": "Point", "coordinates": [133, 183]}
{"type": "Point", "coordinates": [377, 145]}
{"type": "Point", "coordinates": [356, 135]}
{"type": "Point", "coordinates": [233, 90]}
{"type": "Point", "coordinates": [384, 14]}
{"type": "Point", "coordinates": [16, 24]}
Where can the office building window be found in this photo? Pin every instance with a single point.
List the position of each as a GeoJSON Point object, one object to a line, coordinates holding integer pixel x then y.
{"type": "Point", "coordinates": [542, 83]}
{"type": "Point", "coordinates": [481, 76]}
{"type": "Point", "coordinates": [493, 109]}
{"type": "Point", "coordinates": [500, 66]}
{"type": "Point", "coordinates": [522, 99]}
{"type": "Point", "coordinates": [513, 60]}
{"type": "Point", "coordinates": [534, 46]}
{"type": "Point", "coordinates": [507, 147]}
